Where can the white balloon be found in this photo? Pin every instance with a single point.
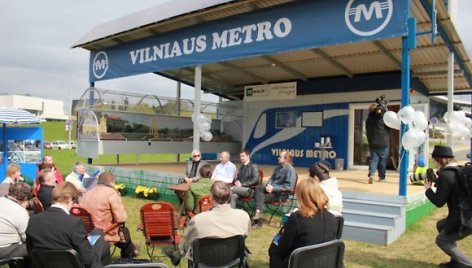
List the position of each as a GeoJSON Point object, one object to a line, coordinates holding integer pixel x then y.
{"type": "Point", "coordinates": [207, 136]}
{"type": "Point", "coordinates": [406, 114]}
{"type": "Point", "coordinates": [419, 121]}
{"type": "Point", "coordinates": [392, 120]}
{"type": "Point", "coordinates": [468, 122]}
{"type": "Point", "coordinates": [205, 126]}
{"type": "Point", "coordinates": [413, 139]}
{"type": "Point", "coordinates": [463, 132]}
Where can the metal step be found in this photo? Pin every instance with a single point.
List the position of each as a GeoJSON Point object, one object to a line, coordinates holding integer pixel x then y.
{"type": "Point", "coordinates": [373, 206]}
{"type": "Point", "coordinates": [362, 216]}
{"type": "Point", "coordinates": [371, 233]}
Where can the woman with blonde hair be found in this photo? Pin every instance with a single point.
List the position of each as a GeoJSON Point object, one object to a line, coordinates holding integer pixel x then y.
{"type": "Point", "coordinates": [311, 224]}
{"type": "Point", "coordinates": [13, 174]}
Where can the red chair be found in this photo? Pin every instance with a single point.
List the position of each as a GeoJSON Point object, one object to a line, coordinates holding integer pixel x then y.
{"type": "Point", "coordinates": [247, 202]}
{"type": "Point", "coordinates": [85, 216]}
{"type": "Point", "coordinates": [37, 205]}
{"type": "Point", "coordinates": [158, 225]}
{"type": "Point", "coordinates": [286, 199]}
{"type": "Point", "coordinates": [204, 203]}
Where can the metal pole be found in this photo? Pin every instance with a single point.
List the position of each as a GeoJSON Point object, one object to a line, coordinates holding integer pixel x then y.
{"type": "Point", "coordinates": [196, 111]}
{"type": "Point", "coordinates": [91, 96]}
{"type": "Point", "coordinates": [179, 95]}
{"type": "Point", "coordinates": [405, 101]}
{"type": "Point", "coordinates": [450, 92]}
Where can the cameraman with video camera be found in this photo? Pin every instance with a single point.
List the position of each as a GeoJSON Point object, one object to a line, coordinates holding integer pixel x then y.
{"type": "Point", "coordinates": [378, 136]}
{"type": "Point", "coordinates": [448, 192]}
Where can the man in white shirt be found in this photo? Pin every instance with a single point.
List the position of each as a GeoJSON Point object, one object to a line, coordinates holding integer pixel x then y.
{"type": "Point", "coordinates": [14, 220]}
{"type": "Point", "coordinates": [77, 175]}
{"type": "Point", "coordinates": [225, 171]}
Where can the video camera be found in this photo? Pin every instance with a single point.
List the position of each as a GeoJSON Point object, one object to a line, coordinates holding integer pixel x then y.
{"type": "Point", "coordinates": [382, 103]}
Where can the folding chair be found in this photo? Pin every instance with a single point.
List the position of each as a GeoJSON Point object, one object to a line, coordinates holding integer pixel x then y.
{"type": "Point", "coordinates": [247, 202]}
{"type": "Point", "coordinates": [218, 252]}
{"type": "Point", "coordinates": [37, 205]}
{"type": "Point", "coordinates": [67, 258]}
{"type": "Point", "coordinates": [87, 220]}
{"type": "Point", "coordinates": [85, 216]}
{"type": "Point", "coordinates": [340, 227]}
{"type": "Point", "coordinates": [158, 225]}
{"type": "Point", "coordinates": [204, 203]}
{"type": "Point", "coordinates": [285, 199]}
{"type": "Point", "coordinates": [328, 254]}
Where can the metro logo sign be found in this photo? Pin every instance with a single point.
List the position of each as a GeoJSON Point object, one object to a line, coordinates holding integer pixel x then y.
{"type": "Point", "coordinates": [366, 18]}
{"type": "Point", "coordinates": [100, 64]}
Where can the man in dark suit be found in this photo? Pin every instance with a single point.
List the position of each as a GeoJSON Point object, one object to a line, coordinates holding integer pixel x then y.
{"type": "Point", "coordinates": [247, 177]}
{"type": "Point", "coordinates": [57, 229]}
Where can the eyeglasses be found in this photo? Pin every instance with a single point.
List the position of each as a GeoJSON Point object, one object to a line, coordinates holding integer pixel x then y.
{"type": "Point", "coordinates": [197, 155]}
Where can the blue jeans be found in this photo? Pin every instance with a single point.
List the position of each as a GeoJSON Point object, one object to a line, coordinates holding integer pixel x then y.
{"type": "Point", "coordinates": [378, 161]}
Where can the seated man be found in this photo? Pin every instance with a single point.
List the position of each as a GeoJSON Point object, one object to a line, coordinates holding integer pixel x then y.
{"type": "Point", "coordinates": [225, 171]}
{"type": "Point", "coordinates": [77, 176]}
{"type": "Point", "coordinates": [192, 173]}
{"type": "Point", "coordinates": [48, 163]}
{"type": "Point", "coordinates": [220, 222]}
{"type": "Point", "coordinates": [283, 179]}
{"type": "Point", "coordinates": [47, 180]}
{"type": "Point", "coordinates": [56, 229]}
{"type": "Point", "coordinates": [107, 209]}
{"type": "Point", "coordinates": [199, 188]}
{"type": "Point", "coordinates": [248, 175]}
{"type": "Point", "coordinates": [14, 220]}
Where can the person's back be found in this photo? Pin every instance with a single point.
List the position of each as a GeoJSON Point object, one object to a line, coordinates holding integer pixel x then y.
{"type": "Point", "coordinates": [378, 134]}
{"type": "Point", "coordinates": [107, 209]}
{"type": "Point", "coordinates": [199, 188]}
{"type": "Point", "coordinates": [45, 196]}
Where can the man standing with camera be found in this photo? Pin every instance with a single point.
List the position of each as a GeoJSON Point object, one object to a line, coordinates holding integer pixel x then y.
{"type": "Point", "coordinates": [378, 136]}
{"type": "Point", "coordinates": [448, 192]}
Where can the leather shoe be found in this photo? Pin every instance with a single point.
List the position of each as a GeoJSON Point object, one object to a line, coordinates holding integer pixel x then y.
{"type": "Point", "coordinates": [257, 216]}
{"type": "Point", "coordinates": [174, 255]}
{"type": "Point", "coordinates": [137, 249]}
{"type": "Point", "coordinates": [371, 180]}
{"type": "Point", "coordinates": [256, 225]}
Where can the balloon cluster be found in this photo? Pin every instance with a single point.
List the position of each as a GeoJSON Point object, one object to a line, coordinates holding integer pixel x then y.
{"type": "Point", "coordinates": [204, 125]}
{"type": "Point", "coordinates": [458, 125]}
{"type": "Point", "coordinates": [417, 122]}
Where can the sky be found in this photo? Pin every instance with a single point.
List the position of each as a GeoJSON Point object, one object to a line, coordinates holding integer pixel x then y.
{"type": "Point", "coordinates": [36, 57]}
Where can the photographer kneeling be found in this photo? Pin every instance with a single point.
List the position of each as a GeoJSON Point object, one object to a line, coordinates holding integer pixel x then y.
{"type": "Point", "coordinates": [448, 192]}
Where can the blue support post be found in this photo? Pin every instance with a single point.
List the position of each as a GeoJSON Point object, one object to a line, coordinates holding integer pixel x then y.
{"type": "Point", "coordinates": [407, 44]}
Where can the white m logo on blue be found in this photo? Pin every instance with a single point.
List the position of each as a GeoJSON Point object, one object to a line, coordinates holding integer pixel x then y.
{"type": "Point", "coordinates": [362, 12]}
{"type": "Point", "coordinates": [100, 64]}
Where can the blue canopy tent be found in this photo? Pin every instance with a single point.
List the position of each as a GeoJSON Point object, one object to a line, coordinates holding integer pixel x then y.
{"type": "Point", "coordinates": [10, 116]}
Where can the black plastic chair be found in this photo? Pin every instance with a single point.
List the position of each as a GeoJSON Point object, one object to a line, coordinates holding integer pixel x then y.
{"type": "Point", "coordinates": [137, 265]}
{"type": "Point", "coordinates": [218, 252]}
{"type": "Point", "coordinates": [67, 258]}
{"type": "Point", "coordinates": [328, 254]}
{"type": "Point", "coordinates": [15, 262]}
{"type": "Point", "coordinates": [339, 230]}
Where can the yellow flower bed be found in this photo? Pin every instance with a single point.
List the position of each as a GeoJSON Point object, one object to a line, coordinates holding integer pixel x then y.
{"type": "Point", "coordinates": [146, 192]}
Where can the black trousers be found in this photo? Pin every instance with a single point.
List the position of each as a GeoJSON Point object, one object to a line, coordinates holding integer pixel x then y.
{"type": "Point", "coordinates": [126, 247]}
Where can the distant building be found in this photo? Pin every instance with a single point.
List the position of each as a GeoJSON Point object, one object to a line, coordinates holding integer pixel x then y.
{"type": "Point", "coordinates": [45, 108]}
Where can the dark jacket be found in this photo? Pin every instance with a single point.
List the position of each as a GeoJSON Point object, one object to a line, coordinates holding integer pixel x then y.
{"type": "Point", "coordinates": [303, 231]}
{"type": "Point", "coordinates": [447, 192]}
{"type": "Point", "coordinates": [248, 175]}
{"type": "Point", "coordinates": [189, 169]}
{"type": "Point", "coordinates": [378, 134]}
{"type": "Point", "coordinates": [45, 196]}
{"type": "Point", "coordinates": [55, 229]}
{"type": "Point", "coordinates": [283, 178]}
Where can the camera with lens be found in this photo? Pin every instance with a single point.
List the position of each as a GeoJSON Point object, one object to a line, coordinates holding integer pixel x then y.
{"type": "Point", "coordinates": [431, 176]}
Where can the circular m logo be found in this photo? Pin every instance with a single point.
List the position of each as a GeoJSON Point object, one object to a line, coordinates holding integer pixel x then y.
{"type": "Point", "coordinates": [100, 64]}
{"type": "Point", "coordinates": [367, 17]}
